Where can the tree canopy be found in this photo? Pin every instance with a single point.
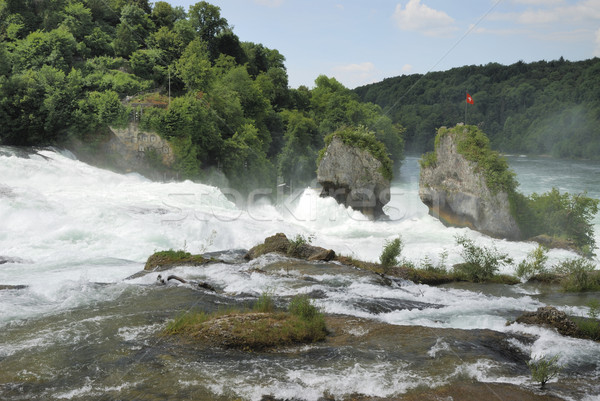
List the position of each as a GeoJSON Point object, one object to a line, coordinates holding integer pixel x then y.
{"type": "Point", "coordinates": [545, 107]}
{"type": "Point", "coordinates": [70, 68]}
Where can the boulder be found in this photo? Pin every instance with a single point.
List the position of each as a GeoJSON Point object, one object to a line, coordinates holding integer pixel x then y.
{"type": "Point", "coordinates": [353, 176]}
{"type": "Point", "coordinates": [279, 243]}
{"type": "Point", "coordinates": [549, 316]}
{"type": "Point", "coordinates": [455, 191]}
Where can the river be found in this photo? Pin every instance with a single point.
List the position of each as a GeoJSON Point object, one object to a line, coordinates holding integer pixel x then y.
{"type": "Point", "coordinates": [78, 328]}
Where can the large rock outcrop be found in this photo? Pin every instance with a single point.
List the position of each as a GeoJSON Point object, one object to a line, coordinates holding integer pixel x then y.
{"type": "Point", "coordinates": [301, 249]}
{"type": "Point", "coordinates": [456, 192]}
{"type": "Point", "coordinates": [354, 177]}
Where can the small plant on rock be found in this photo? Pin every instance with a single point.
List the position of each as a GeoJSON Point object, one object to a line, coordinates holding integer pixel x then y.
{"type": "Point", "coordinates": [265, 303]}
{"type": "Point", "coordinates": [590, 327]}
{"type": "Point", "coordinates": [297, 242]}
{"type": "Point", "coordinates": [481, 263]}
{"type": "Point", "coordinates": [544, 369]}
{"type": "Point", "coordinates": [439, 267]}
{"type": "Point", "coordinates": [534, 263]}
{"type": "Point", "coordinates": [389, 256]}
{"type": "Point", "coordinates": [580, 275]}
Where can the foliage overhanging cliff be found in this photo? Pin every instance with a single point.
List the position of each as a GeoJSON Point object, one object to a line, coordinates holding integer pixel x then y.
{"type": "Point", "coordinates": [538, 108]}
{"type": "Point", "coordinates": [71, 68]}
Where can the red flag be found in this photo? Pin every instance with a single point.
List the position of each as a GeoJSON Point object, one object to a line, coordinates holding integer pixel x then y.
{"type": "Point", "coordinates": [469, 99]}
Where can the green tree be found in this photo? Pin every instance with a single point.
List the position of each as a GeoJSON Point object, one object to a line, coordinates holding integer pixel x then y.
{"type": "Point", "coordinates": [296, 162]}
{"type": "Point", "coordinates": [77, 19]}
{"type": "Point", "coordinates": [132, 32]}
{"type": "Point", "coordinates": [194, 67]}
{"type": "Point", "coordinates": [55, 48]}
{"type": "Point", "coordinates": [244, 161]}
{"type": "Point", "coordinates": [149, 64]}
{"type": "Point", "coordinates": [206, 20]}
{"type": "Point", "coordinates": [163, 15]}
{"type": "Point", "coordinates": [168, 42]}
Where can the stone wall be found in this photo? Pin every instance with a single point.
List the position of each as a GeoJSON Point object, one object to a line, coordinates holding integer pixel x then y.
{"type": "Point", "coordinates": [133, 144]}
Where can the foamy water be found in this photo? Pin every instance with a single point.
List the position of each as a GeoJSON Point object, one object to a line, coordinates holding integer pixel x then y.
{"type": "Point", "coordinates": [67, 228]}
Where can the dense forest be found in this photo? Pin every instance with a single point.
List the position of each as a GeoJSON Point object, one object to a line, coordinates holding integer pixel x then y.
{"type": "Point", "coordinates": [69, 69]}
{"type": "Point", "coordinates": [543, 107]}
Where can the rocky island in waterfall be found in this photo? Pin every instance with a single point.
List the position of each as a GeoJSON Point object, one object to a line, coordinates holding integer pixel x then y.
{"type": "Point", "coordinates": [355, 169]}
{"type": "Point", "coordinates": [466, 184]}
{"type": "Point", "coordinates": [456, 190]}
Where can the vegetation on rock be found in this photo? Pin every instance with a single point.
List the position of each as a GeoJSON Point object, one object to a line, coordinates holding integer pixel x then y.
{"type": "Point", "coordinates": [544, 369]}
{"type": "Point", "coordinates": [534, 263]}
{"type": "Point", "coordinates": [578, 275]}
{"type": "Point", "coordinates": [361, 137]}
{"type": "Point", "coordinates": [474, 145]}
{"type": "Point", "coordinates": [165, 259]}
{"type": "Point", "coordinates": [389, 256]}
{"type": "Point", "coordinates": [259, 329]}
{"type": "Point", "coordinates": [566, 217]}
{"type": "Point", "coordinates": [481, 263]}
{"type": "Point", "coordinates": [298, 248]}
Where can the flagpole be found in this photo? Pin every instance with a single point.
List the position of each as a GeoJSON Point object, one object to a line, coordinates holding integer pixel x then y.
{"type": "Point", "coordinates": [466, 94]}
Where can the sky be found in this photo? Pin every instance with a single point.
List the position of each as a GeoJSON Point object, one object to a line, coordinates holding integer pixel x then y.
{"type": "Point", "coordinates": [366, 41]}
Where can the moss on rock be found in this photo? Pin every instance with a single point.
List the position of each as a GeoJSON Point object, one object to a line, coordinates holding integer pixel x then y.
{"type": "Point", "coordinates": [163, 260]}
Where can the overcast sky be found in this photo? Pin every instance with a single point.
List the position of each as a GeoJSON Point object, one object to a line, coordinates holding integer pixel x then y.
{"type": "Point", "coordinates": [360, 42]}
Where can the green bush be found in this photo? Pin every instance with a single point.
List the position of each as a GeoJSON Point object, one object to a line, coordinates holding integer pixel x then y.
{"type": "Point", "coordinates": [535, 263]}
{"type": "Point", "coordinates": [265, 303]}
{"type": "Point", "coordinates": [440, 267]}
{"type": "Point", "coordinates": [563, 216]}
{"type": "Point", "coordinates": [481, 263]}
{"type": "Point", "coordinates": [428, 159]}
{"type": "Point", "coordinates": [302, 307]}
{"type": "Point", "coordinates": [297, 242]}
{"type": "Point", "coordinates": [389, 256]}
{"type": "Point", "coordinates": [544, 369]}
{"type": "Point", "coordinates": [579, 275]}
{"type": "Point", "coordinates": [590, 327]}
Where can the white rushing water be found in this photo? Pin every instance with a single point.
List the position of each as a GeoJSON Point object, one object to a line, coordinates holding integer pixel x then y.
{"type": "Point", "coordinates": [65, 225]}
{"type": "Point", "coordinates": [69, 223]}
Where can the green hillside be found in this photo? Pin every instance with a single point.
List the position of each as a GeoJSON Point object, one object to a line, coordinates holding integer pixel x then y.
{"type": "Point", "coordinates": [538, 108]}
{"type": "Point", "coordinates": [69, 69]}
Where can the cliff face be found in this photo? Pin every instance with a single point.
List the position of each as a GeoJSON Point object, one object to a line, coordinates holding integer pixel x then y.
{"type": "Point", "coordinates": [133, 144]}
{"type": "Point", "coordinates": [457, 194]}
{"type": "Point", "coordinates": [353, 177]}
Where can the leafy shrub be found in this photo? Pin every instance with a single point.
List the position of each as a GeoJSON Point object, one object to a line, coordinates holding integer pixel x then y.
{"type": "Point", "coordinates": [265, 303]}
{"type": "Point", "coordinates": [440, 267]}
{"type": "Point", "coordinates": [302, 307]}
{"type": "Point", "coordinates": [580, 275]}
{"type": "Point", "coordinates": [544, 369]}
{"type": "Point", "coordinates": [564, 216]}
{"type": "Point", "coordinates": [590, 327]}
{"type": "Point", "coordinates": [481, 263]}
{"type": "Point", "coordinates": [534, 263]}
{"type": "Point", "coordinates": [391, 251]}
{"type": "Point", "coordinates": [297, 242]}
{"type": "Point", "coordinates": [428, 159]}
{"type": "Point", "coordinates": [310, 326]}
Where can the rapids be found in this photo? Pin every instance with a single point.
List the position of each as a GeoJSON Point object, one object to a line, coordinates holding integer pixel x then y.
{"type": "Point", "coordinates": [72, 234]}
